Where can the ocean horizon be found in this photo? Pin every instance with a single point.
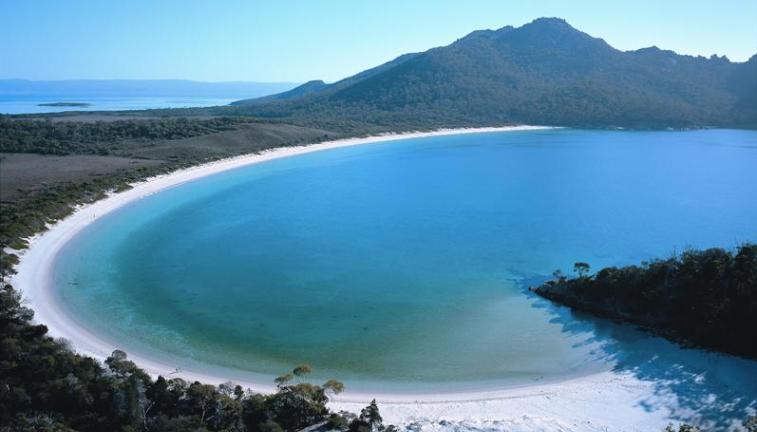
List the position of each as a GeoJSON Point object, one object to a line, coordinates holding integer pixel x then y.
{"type": "Point", "coordinates": [31, 104]}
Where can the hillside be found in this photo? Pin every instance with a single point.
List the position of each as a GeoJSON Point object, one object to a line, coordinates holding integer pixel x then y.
{"type": "Point", "coordinates": [545, 72]}
{"type": "Point", "coordinates": [309, 87]}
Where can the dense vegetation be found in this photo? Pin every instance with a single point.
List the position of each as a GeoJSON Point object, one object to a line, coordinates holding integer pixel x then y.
{"type": "Point", "coordinates": [702, 298]}
{"type": "Point", "coordinates": [44, 386]}
{"type": "Point", "coordinates": [48, 137]}
{"type": "Point", "coordinates": [750, 425]}
{"type": "Point", "coordinates": [297, 92]}
{"type": "Point", "coordinates": [545, 72]}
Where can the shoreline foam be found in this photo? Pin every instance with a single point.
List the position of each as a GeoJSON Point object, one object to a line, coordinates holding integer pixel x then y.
{"type": "Point", "coordinates": [601, 401]}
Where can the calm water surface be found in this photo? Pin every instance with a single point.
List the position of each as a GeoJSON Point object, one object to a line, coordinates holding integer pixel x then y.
{"type": "Point", "coordinates": [404, 263]}
{"type": "Point", "coordinates": [30, 104]}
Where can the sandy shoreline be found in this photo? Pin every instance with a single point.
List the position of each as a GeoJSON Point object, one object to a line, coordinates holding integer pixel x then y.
{"type": "Point", "coordinates": [602, 401]}
{"type": "Point", "coordinates": [33, 278]}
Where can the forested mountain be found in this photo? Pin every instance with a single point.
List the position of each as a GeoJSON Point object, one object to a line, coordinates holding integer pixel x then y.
{"type": "Point", "coordinates": [545, 72]}
{"type": "Point", "coordinates": [297, 92]}
{"type": "Point", "coordinates": [321, 88]}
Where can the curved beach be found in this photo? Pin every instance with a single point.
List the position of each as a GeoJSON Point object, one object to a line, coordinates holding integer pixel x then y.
{"type": "Point", "coordinates": [34, 270]}
{"type": "Point", "coordinates": [602, 401]}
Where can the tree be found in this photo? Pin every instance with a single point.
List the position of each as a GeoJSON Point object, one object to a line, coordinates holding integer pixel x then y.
{"type": "Point", "coordinates": [122, 367]}
{"type": "Point", "coordinates": [270, 426]}
{"type": "Point", "coordinates": [302, 370]}
{"type": "Point", "coordinates": [299, 405]}
{"type": "Point", "coordinates": [558, 274]}
{"type": "Point", "coordinates": [254, 411]}
{"type": "Point", "coordinates": [282, 380]}
{"type": "Point", "coordinates": [333, 386]}
{"type": "Point", "coordinates": [371, 415]}
{"type": "Point", "coordinates": [581, 268]}
{"type": "Point", "coordinates": [203, 399]}
{"type": "Point", "coordinates": [370, 419]}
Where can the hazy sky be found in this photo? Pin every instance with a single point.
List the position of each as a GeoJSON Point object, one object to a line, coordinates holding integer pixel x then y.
{"type": "Point", "coordinates": [255, 40]}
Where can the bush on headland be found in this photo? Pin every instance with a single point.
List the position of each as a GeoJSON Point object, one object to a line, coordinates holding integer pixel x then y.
{"type": "Point", "coordinates": [704, 298]}
{"type": "Point", "coordinates": [45, 386]}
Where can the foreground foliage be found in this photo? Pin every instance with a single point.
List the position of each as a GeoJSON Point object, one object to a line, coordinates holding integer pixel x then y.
{"type": "Point", "coordinates": [749, 425]}
{"type": "Point", "coordinates": [44, 386]}
{"type": "Point", "coordinates": [703, 298]}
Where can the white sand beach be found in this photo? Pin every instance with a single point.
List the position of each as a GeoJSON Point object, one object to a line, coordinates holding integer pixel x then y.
{"type": "Point", "coordinates": [627, 399]}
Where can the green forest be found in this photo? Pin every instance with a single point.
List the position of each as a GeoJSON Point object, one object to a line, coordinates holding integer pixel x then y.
{"type": "Point", "coordinates": [545, 72]}
{"type": "Point", "coordinates": [66, 137]}
{"type": "Point", "coordinates": [701, 298]}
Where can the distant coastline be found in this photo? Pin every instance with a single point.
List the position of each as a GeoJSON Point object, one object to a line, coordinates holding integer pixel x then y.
{"type": "Point", "coordinates": [29, 97]}
{"type": "Point", "coordinates": [30, 105]}
{"type": "Point", "coordinates": [65, 104]}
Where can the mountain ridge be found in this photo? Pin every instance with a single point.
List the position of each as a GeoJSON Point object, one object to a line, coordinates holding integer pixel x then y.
{"type": "Point", "coordinates": [544, 72]}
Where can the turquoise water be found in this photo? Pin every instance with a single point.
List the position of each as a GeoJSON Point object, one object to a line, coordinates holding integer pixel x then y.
{"type": "Point", "coordinates": [405, 263]}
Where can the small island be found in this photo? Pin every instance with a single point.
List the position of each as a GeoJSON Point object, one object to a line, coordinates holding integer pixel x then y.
{"type": "Point", "coordinates": [66, 104]}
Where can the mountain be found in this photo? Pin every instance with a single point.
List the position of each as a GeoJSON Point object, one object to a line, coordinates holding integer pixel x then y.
{"type": "Point", "coordinates": [545, 72]}
{"type": "Point", "coordinates": [297, 92]}
{"type": "Point", "coordinates": [318, 86]}
{"type": "Point", "coordinates": [147, 88]}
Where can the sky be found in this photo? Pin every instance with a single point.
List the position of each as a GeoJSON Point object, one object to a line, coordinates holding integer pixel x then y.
{"type": "Point", "coordinates": [300, 40]}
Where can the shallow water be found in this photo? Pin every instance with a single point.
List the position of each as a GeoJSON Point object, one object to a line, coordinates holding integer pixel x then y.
{"type": "Point", "coordinates": [403, 264]}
